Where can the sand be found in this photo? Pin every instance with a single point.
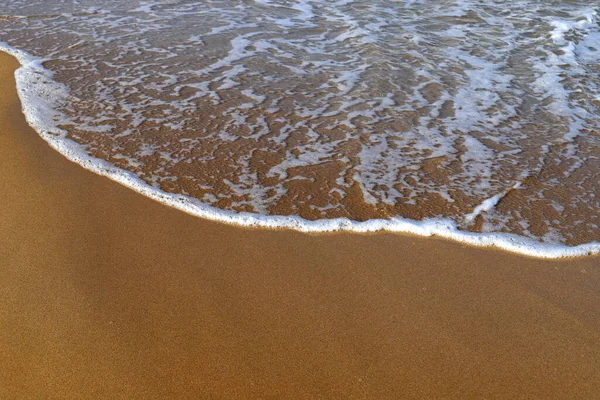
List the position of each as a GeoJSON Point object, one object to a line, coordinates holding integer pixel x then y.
{"type": "Point", "coordinates": [107, 294]}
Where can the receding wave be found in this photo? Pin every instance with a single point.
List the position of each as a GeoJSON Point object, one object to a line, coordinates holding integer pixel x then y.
{"type": "Point", "coordinates": [469, 120]}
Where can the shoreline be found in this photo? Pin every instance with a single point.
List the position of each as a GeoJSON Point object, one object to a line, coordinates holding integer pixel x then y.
{"type": "Point", "coordinates": [37, 97]}
{"type": "Point", "coordinates": [107, 293]}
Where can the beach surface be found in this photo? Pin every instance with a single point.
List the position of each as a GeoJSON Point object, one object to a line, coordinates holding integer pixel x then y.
{"type": "Point", "coordinates": [107, 294]}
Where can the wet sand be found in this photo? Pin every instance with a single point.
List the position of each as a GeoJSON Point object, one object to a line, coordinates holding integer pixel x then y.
{"type": "Point", "coordinates": [107, 294]}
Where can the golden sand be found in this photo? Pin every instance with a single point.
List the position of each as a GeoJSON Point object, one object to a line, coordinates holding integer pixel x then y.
{"type": "Point", "coordinates": [107, 294]}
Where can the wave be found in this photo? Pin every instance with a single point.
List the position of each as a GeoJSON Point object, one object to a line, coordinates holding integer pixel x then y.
{"type": "Point", "coordinates": [40, 94]}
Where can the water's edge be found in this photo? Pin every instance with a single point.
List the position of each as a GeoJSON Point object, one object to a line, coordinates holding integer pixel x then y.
{"type": "Point", "coordinates": [38, 92]}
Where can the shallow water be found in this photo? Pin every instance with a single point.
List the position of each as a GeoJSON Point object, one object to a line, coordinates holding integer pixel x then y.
{"type": "Point", "coordinates": [484, 114]}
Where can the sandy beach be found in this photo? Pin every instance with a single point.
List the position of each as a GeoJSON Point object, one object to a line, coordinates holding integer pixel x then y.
{"type": "Point", "coordinates": [107, 294]}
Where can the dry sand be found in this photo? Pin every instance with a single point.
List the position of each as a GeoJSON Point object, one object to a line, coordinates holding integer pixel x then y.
{"type": "Point", "coordinates": [107, 294]}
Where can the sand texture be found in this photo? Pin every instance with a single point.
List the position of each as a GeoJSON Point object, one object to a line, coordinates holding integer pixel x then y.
{"type": "Point", "coordinates": [107, 294]}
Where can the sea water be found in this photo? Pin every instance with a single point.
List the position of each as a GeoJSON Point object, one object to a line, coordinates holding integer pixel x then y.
{"type": "Point", "coordinates": [473, 120]}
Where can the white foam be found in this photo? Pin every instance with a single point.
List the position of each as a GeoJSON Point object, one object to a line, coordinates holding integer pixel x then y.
{"type": "Point", "coordinates": [488, 204]}
{"type": "Point", "coordinates": [144, 7]}
{"type": "Point", "coordinates": [40, 95]}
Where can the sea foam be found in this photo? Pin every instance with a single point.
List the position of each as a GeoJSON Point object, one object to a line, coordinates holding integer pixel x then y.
{"type": "Point", "coordinates": [464, 119]}
{"type": "Point", "coordinates": [40, 95]}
